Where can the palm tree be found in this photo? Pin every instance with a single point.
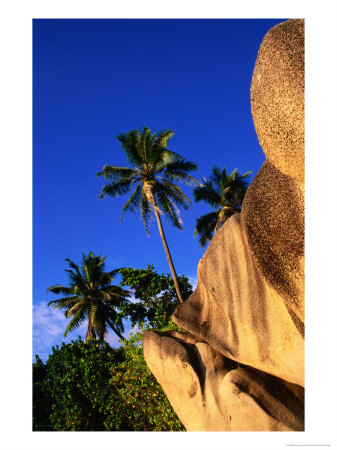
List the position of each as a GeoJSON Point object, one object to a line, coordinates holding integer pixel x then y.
{"type": "Point", "coordinates": [225, 194]}
{"type": "Point", "coordinates": [153, 169]}
{"type": "Point", "coordinates": [91, 297]}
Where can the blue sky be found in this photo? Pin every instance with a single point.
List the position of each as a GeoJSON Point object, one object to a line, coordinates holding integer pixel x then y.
{"type": "Point", "coordinates": [93, 79]}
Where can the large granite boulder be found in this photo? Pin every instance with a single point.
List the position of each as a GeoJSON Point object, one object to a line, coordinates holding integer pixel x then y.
{"type": "Point", "coordinates": [277, 97]}
{"type": "Point", "coordinates": [273, 218]}
{"type": "Point", "coordinates": [210, 392]}
{"type": "Point", "coordinates": [240, 366]}
{"type": "Point", "coordinates": [238, 313]}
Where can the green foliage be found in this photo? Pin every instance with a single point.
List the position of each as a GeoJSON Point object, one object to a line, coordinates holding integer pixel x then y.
{"type": "Point", "coordinates": [77, 383]}
{"type": "Point", "coordinates": [93, 387]}
{"type": "Point", "coordinates": [41, 397]}
{"type": "Point", "coordinates": [225, 194]}
{"type": "Point", "coordinates": [92, 297]}
{"type": "Point", "coordinates": [145, 404]}
{"type": "Point", "coordinates": [153, 169]}
{"type": "Point", "coordinates": [156, 294]}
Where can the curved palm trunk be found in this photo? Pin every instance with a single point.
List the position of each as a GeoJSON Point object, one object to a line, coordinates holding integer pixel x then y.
{"type": "Point", "coordinates": [118, 334]}
{"type": "Point", "coordinates": [167, 252]}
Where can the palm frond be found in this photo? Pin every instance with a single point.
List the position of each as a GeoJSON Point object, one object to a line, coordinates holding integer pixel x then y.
{"type": "Point", "coordinates": [115, 322]}
{"type": "Point", "coordinates": [240, 185]}
{"type": "Point", "coordinates": [64, 303]}
{"type": "Point", "coordinates": [116, 325]}
{"type": "Point", "coordinates": [146, 212]}
{"type": "Point", "coordinates": [106, 278]}
{"type": "Point", "coordinates": [75, 270]}
{"type": "Point", "coordinates": [73, 310]}
{"type": "Point", "coordinates": [224, 191]}
{"type": "Point", "coordinates": [246, 175]}
{"type": "Point", "coordinates": [116, 189]}
{"type": "Point", "coordinates": [183, 178]}
{"type": "Point", "coordinates": [218, 175]}
{"type": "Point", "coordinates": [77, 282]}
{"type": "Point", "coordinates": [178, 171]}
{"type": "Point", "coordinates": [99, 321]}
{"type": "Point", "coordinates": [207, 194]}
{"type": "Point", "coordinates": [116, 292]}
{"type": "Point", "coordinates": [225, 213]}
{"type": "Point", "coordinates": [160, 158]}
{"type": "Point", "coordinates": [92, 268]}
{"type": "Point", "coordinates": [117, 173]}
{"type": "Point", "coordinates": [205, 226]}
{"type": "Point", "coordinates": [59, 289]}
{"type": "Point", "coordinates": [75, 322]}
{"type": "Point", "coordinates": [132, 146]}
{"type": "Point", "coordinates": [174, 191]}
{"type": "Point", "coordinates": [73, 265]}
{"type": "Point", "coordinates": [159, 151]}
{"type": "Point", "coordinates": [171, 212]}
{"type": "Point", "coordinates": [162, 138]}
{"type": "Point", "coordinates": [147, 140]}
{"type": "Point", "coordinates": [134, 201]}
{"type": "Point", "coordinates": [181, 166]}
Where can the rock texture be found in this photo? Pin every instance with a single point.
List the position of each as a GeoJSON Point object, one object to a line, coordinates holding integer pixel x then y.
{"type": "Point", "coordinates": [211, 393]}
{"type": "Point", "coordinates": [238, 313]}
{"type": "Point", "coordinates": [277, 97]}
{"type": "Point", "coordinates": [240, 367]}
{"type": "Point", "coordinates": [273, 217]}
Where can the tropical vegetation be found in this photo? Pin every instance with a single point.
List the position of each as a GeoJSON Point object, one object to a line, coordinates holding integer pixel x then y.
{"type": "Point", "coordinates": [152, 173]}
{"type": "Point", "coordinates": [224, 193]}
{"type": "Point", "coordinates": [91, 296]}
{"type": "Point", "coordinates": [93, 387]}
{"type": "Point", "coordinates": [155, 297]}
{"type": "Point", "coordinates": [90, 386]}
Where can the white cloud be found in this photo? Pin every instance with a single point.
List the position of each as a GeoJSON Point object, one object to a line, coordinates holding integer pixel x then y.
{"type": "Point", "coordinates": [48, 330]}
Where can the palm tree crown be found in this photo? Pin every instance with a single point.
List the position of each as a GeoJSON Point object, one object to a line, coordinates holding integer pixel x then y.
{"type": "Point", "coordinates": [90, 296]}
{"type": "Point", "coordinates": [225, 194]}
{"type": "Point", "coordinates": [153, 170]}
{"type": "Point", "coordinates": [154, 167]}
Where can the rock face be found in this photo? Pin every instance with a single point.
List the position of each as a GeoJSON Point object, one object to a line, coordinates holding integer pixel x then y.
{"type": "Point", "coordinates": [273, 218]}
{"type": "Point", "coordinates": [277, 97]}
{"type": "Point", "coordinates": [242, 317]}
{"type": "Point", "coordinates": [240, 366]}
{"type": "Point", "coordinates": [209, 392]}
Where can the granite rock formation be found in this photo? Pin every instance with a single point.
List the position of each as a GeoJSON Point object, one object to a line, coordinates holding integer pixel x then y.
{"type": "Point", "coordinates": [277, 97]}
{"type": "Point", "coordinates": [210, 392]}
{"type": "Point", "coordinates": [240, 364]}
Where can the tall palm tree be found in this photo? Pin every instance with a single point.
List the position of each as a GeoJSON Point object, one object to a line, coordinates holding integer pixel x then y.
{"type": "Point", "coordinates": [153, 169]}
{"type": "Point", "coordinates": [90, 296]}
{"type": "Point", "coordinates": [225, 194]}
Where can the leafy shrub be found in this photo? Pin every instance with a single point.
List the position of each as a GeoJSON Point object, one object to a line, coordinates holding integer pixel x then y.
{"type": "Point", "coordinates": [94, 387]}
{"type": "Point", "coordinates": [41, 397]}
{"type": "Point", "coordinates": [146, 405]}
{"type": "Point", "coordinates": [155, 294]}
